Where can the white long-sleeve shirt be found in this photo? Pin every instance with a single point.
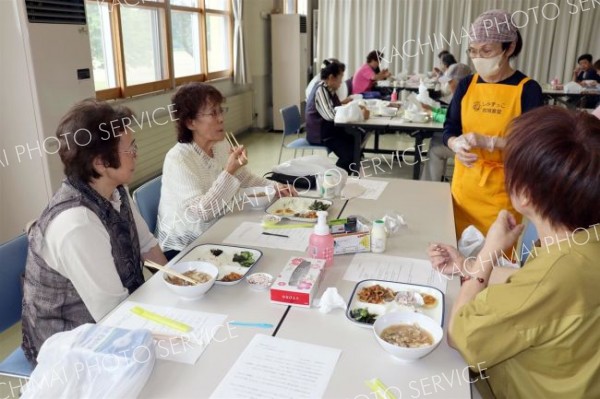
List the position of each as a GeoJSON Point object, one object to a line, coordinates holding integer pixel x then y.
{"type": "Point", "coordinates": [77, 245]}
{"type": "Point", "coordinates": [196, 192]}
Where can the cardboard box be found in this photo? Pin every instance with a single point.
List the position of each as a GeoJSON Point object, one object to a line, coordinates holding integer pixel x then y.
{"type": "Point", "coordinates": [350, 243]}
{"type": "Point", "coordinates": [298, 282]}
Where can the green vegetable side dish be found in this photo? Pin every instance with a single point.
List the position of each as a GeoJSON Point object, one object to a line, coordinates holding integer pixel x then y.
{"type": "Point", "coordinates": [244, 258]}
{"type": "Point", "coordinates": [318, 206]}
{"type": "Point", "coordinates": [362, 315]}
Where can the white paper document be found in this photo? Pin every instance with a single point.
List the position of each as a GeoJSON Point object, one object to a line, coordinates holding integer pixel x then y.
{"type": "Point", "coordinates": [276, 368]}
{"type": "Point", "coordinates": [174, 345]}
{"type": "Point", "coordinates": [373, 188]}
{"type": "Point", "coordinates": [395, 268]}
{"type": "Point", "coordinates": [251, 234]}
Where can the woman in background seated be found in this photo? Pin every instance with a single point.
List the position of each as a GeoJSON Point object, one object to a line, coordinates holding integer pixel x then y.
{"type": "Point", "coordinates": [342, 91]}
{"type": "Point", "coordinates": [538, 334]}
{"type": "Point", "coordinates": [320, 114]}
{"type": "Point", "coordinates": [446, 61]}
{"type": "Point", "coordinates": [87, 247]}
{"type": "Point", "coordinates": [201, 173]}
{"type": "Point", "coordinates": [364, 79]}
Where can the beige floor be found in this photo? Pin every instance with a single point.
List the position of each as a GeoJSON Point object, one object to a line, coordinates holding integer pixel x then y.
{"type": "Point", "coordinates": [263, 151]}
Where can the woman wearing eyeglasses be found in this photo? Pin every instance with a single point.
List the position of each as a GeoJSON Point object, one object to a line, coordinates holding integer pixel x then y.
{"type": "Point", "coordinates": [87, 247]}
{"type": "Point", "coordinates": [201, 173]}
{"type": "Point", "coordinates": [476, 125]}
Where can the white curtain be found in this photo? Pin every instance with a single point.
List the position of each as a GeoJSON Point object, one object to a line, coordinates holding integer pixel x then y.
{"type": "Point", "coordinates": [241, 74]}
{"type": "Point", "coordinates": [412, 32]}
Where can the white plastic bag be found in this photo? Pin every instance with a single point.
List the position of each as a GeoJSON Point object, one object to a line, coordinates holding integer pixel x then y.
{"type": "Point", "coordinates": [573, 87]}
{"type": "Point", "coordinates": [93, 361]}
{"type": "Point", "coordinates": [470, 242]}
{"type": "Point", "coordinates": [423, 97]}
{"type": "Point", "coordinates": [350, 112]}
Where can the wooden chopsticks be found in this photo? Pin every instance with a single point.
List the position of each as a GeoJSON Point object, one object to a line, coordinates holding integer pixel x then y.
{"type": "Point", "coordinates": [172, 272]}
{"type": "Point", "coordinates": [231, 139]}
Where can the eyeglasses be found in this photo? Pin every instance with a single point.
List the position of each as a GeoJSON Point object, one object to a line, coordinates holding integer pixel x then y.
{"type": "Point", "coordinates": [133, 150]}
{"type": "Point", "coordinates": [215, 112]}
{"type": "Point", "coordinates": [484, 52]}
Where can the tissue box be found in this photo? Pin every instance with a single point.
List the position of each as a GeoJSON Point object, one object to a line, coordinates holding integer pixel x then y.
{"type": "Point", "coordinates": [298, 282]}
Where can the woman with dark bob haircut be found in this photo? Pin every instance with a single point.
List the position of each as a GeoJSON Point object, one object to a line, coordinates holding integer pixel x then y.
{"type": "Point", "coordinates": [538, 332]}
{"type": "Point", "coordinates": [87, 247]}
{"type": "Point", "coordinates": [201, 173]}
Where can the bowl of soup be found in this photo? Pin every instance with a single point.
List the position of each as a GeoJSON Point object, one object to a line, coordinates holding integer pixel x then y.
{"type": "Point", "coordinates": [256, 198]}
{"type": "Point", "coordinates": [407, 335]}
{"type": "Point", "coordinates": [203, 272]}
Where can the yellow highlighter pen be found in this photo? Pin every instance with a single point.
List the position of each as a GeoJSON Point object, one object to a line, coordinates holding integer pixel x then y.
{"type": "Point", "coordinates": [165, 321]}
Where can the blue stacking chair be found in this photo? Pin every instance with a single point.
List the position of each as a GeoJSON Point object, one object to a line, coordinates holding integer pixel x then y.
{"type": "Point", "coordinates": [13, 256]}
{"type": "Point", "coordinates": [292, 124]}
{"type": "Point", "coordinates": [530, 236]}
{"type": "Point", "coordinates": [147, 198]}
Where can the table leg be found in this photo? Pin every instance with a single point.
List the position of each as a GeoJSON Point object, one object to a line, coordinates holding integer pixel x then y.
{"type": "Point", "coordinates": [417, 166]}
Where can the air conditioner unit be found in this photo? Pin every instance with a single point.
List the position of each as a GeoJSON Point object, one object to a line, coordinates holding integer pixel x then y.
{"type": "Point", "coordinates": [45, 68]}
{"type": "Point", "coordinates": [290, 62]}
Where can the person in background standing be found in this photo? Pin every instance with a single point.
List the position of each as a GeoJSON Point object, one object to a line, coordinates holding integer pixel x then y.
{"type": "Point", "coordinates": [478, 117]}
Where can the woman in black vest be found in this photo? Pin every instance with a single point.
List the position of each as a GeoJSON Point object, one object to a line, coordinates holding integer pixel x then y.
{"type": "Point", "coordinates": [86, 249]}
{"type": "Point", "coordinates": [320, 114]}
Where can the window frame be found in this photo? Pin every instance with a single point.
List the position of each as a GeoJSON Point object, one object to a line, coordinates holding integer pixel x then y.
{"type": "Point", "coordinates": [170, 81]}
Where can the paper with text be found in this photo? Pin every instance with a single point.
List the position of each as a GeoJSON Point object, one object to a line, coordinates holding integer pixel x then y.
{"type": "Point", "coordinates": [373, 188]}
{"type": "Point", "coordinates": [251, 234]}
{"type": "Point", "coordinates": [176, 345]}
{"type": "Point", "coordinates": [395, 268]}
{"type": "Point", "coordinates": [276, 368]}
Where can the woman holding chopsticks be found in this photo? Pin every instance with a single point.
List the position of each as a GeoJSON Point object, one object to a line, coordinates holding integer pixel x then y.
{"type": "Point", "coordinates": [203, 172]}
{"type": "Point", "coordinates": [86, 248]}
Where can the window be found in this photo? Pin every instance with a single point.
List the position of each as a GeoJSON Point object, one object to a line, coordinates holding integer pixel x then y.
{"type": "Point", "coordinates": [142, 46]}
{"type": "Point", "coordinates": [98, 19]}
{"type": "Point", "coordinates": [295, 7]}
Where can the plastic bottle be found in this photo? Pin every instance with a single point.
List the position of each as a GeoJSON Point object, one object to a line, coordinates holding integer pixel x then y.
{"type": "Point", "coordinates": [394, 96]}
{"type": "Point", "coordinates": [329, 186]}
{"type": "Point", "coordinates": [320, 243]}
{"type": "Point", "coordinates": [378, 237]}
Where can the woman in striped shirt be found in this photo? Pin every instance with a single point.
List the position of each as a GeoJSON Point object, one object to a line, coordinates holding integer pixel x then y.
{"type": "Point", "coordinates": [320, 114]}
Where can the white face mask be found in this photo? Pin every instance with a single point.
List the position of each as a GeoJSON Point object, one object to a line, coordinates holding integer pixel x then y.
{"type": "Point", "coordinates": [486, 67]}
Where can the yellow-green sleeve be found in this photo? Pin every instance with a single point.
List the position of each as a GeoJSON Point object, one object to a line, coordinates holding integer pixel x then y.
{"type": "Point", "coordinates": [486, 329]}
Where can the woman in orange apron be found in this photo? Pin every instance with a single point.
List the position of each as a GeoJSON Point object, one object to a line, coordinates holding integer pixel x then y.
{"type": "Point", "coordinates": [482, 108]}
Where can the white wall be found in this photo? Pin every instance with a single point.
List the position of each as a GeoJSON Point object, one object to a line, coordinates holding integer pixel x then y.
{"type": "Point", "coordinates": [258, 42]}
{"type": "Point", "coordinates": [23, 192]}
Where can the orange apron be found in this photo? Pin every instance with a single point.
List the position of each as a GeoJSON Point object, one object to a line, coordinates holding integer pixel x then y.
{"type": "Point", "coordinates": [478, 192]}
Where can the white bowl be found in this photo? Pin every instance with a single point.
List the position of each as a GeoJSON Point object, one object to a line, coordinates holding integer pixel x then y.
{"type": "Point", "coordinates": [253, 198]}
{"type": "Point", "coordinates": [192, 291]}
{"type": "Point", "coordinates": [260, 281]}
{"type": "Point", "coordinates": [424, 322]}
